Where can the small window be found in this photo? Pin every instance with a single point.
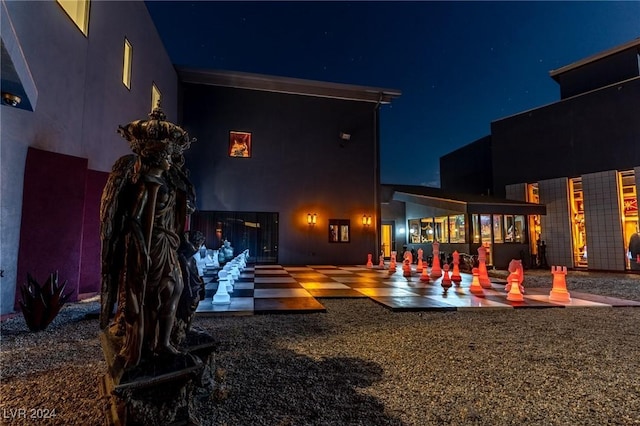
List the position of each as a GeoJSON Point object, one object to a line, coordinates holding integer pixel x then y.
{"type": "Point", "coordinates": [126, 68]}
{"type": "Point", "coordinates": [156, 96]}
{"type": "Point", "coordinates": [78, 11]}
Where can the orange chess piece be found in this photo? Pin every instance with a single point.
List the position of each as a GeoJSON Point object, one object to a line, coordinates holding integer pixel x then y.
{"type": "Point", "coordinates": [446, 280]}
{"type": "Point", "coordinates": [559, 291]}
{"type": "Point", "coordinates": [515, 294]}
{"type": "Point", "coordinates": [475, 287]}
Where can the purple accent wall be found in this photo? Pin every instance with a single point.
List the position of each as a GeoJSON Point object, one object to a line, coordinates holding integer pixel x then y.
{"type": "Point", "coordinates": [52, 218]}
{"type": "Point", "coordinates": [90, 266]}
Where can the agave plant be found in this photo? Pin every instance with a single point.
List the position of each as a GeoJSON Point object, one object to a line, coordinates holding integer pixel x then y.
{"type": "Point", "coordinates": [40, 305]}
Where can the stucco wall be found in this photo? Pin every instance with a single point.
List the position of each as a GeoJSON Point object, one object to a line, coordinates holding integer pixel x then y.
{"type": "Point", "coordinates": [298, 165]}
{"type": "Point", "coordinates": [81, 99]}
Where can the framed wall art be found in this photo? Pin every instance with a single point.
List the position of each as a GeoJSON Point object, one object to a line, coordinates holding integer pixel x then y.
{"type": "Point", "coordinates": [239, 144]}
{"type": "Point", "coordinates": [339, 231]}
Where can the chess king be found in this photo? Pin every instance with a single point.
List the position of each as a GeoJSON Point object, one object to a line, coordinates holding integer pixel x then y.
{"type": "Point", "coordinates": [144, 210]}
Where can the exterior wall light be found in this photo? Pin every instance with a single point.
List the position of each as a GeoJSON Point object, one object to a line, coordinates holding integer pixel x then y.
{"type": "Point", "coordinates": [312, 219]}
{"type": "Point", "coordinates": [11, 99]}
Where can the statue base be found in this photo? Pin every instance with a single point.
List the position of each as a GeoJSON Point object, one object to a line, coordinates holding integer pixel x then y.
{"type": "Point", "coordinates": [159, 390]}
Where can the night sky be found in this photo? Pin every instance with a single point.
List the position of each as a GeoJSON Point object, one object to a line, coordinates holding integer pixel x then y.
{"type": "Point", "coordinates": [459, 65]}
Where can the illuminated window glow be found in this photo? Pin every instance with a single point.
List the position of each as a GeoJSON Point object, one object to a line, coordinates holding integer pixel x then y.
{"type": "Point", "coordinates": [155, 96]}
{"type": "Point", "coordinates": [126, 68]}
{"type": "Point", "coordinates": [78, 11]}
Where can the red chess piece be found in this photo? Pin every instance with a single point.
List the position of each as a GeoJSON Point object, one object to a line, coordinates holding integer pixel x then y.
{"type": "Point", "coordinates": [515, 295]}
{"type": "Point", "coordinates": [446, 280]}
{"type": "Point", "coordinates": [455, 276]}
{"type": "Point", "coordinates": [406, 267]}
{"type": "Point", "coordinates": [559, 291]}
{"type": "Point", "coordinates": [424, 277]}
{"type": "Point", "coordinates": [475, 287]}
{"type": "Point", "coordinates": [369, 261]}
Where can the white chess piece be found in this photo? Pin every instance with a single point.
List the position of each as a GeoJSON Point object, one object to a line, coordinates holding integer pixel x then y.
{"type": "Point", "coordinates": [222, 296]}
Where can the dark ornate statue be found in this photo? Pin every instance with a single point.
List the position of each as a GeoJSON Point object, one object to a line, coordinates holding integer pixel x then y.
{"type": "Point", "coordinates": [193, 290]}
{"type": "Point", "coordinates": [145, 268]}
{"type": "Point", "coordinates": [144, 209]}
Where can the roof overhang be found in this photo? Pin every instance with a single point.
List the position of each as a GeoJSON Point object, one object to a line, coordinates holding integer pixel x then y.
{"type": "Point", "coordinates": [449, 205]}
{"type": "Point", "coordinates": [555, 74]}
{"type": "Point", "coordinates": [295, 86]}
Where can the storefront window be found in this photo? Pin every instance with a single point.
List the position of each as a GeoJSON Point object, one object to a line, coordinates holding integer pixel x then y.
{"type": "Point", "coordinates": [520, 228]}
{"type": "Point", "coordinates": [456, 229]}
{"type": "Point", "coordinates": [485, 228]}
{"type": "Point", "coordinates": [475, 228]}
{"type": "Point", "coordinates": [497, 229]}
{"type": "Point", "coordinates": [414, 231]}
{"type": "Point", "coordinates": [426, 230]}
{"type": "Point", "coordinates": [441, 229]}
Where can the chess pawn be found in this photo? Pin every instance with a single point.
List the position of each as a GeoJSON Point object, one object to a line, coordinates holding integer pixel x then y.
{"type": "Point", "coordinates": [475, 287]}
{"type": "Point", "coordinates": [381, 262]}
{"type": "Point", "coordinates": [455, 276]}
{"type": "Point", "coordinates": [424, 277]}
{"type": "Point", "coordinates": [446, 280]}
{"type": "Point", "coordinates": [392, 262]}
{"type": "Point", "coordinates": [420, 264]}
{"type": "Point", "coordinates": [369, 261]}
{"type": "Point", "coordinates": [515, 293]}
{"type": "Point", "coordinates": [406, 267]}
{"type": "Point", "coordinates": [222, 296]}
{"type": "Point", "coordinates": [559, 291]}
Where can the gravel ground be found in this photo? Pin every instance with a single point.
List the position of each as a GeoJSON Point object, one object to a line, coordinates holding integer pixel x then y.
{"type": "Point", "coordinates": [361, 364]}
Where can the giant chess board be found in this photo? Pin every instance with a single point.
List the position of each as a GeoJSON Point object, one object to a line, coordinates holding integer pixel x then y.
{"type": "Point", "coordinates": [265, 289]}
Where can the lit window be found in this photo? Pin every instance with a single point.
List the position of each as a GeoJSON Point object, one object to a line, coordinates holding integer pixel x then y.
{"type": "Point", "coordinates": [457, 232]}
{"type": "Point", "coordinates": [126, 68]}
{"type": "Point", "coordinates": [156, 96]}
{"type": "Point", "coordinates": [78, 11]}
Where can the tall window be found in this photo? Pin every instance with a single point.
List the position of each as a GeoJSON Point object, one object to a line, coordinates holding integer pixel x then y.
{"type": "Point", "coordinates": [579, 231]}
{"type": "Point", "coordinates": [155, 96]}
{"type": "Point", "coordinates": [630, 225]}
{"type": "Point", "coordinates": [126, 67]}
{"type": "Point", "coordinates": [78, 11]}
{"type": "Point", "coordinates": [457, 232]}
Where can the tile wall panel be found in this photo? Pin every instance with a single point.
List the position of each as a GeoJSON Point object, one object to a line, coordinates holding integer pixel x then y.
{"type": "Point", "coordinates": [516, 191]}
{"type": "Point", "coordinates": [556, 229]}
{"type": "Point", "coordinates": [605, 245]}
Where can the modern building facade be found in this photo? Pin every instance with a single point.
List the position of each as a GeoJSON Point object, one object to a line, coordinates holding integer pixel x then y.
{"type": "Point", "coordinates": [306, 173]}
{"type": "Point", "coordinates": [458, 222]}
{"type": "Point", "coordinates": [288, 168]}
{"type": "Point", "coordinates": [580, 156]}
{"type": "Point", "coordinates": [79, 73]}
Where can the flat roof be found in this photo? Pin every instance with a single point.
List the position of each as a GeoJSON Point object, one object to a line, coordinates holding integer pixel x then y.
{"type": "Point", "coordinates": [630, 44]}
{"type": "Point", "coordinates": [296, 86]}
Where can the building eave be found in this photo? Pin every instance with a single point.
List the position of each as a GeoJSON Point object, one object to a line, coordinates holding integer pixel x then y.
{"type": "Point", "coordinates": [240, 80]}
{"type": "Point", "coordinates": [555, 74]}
